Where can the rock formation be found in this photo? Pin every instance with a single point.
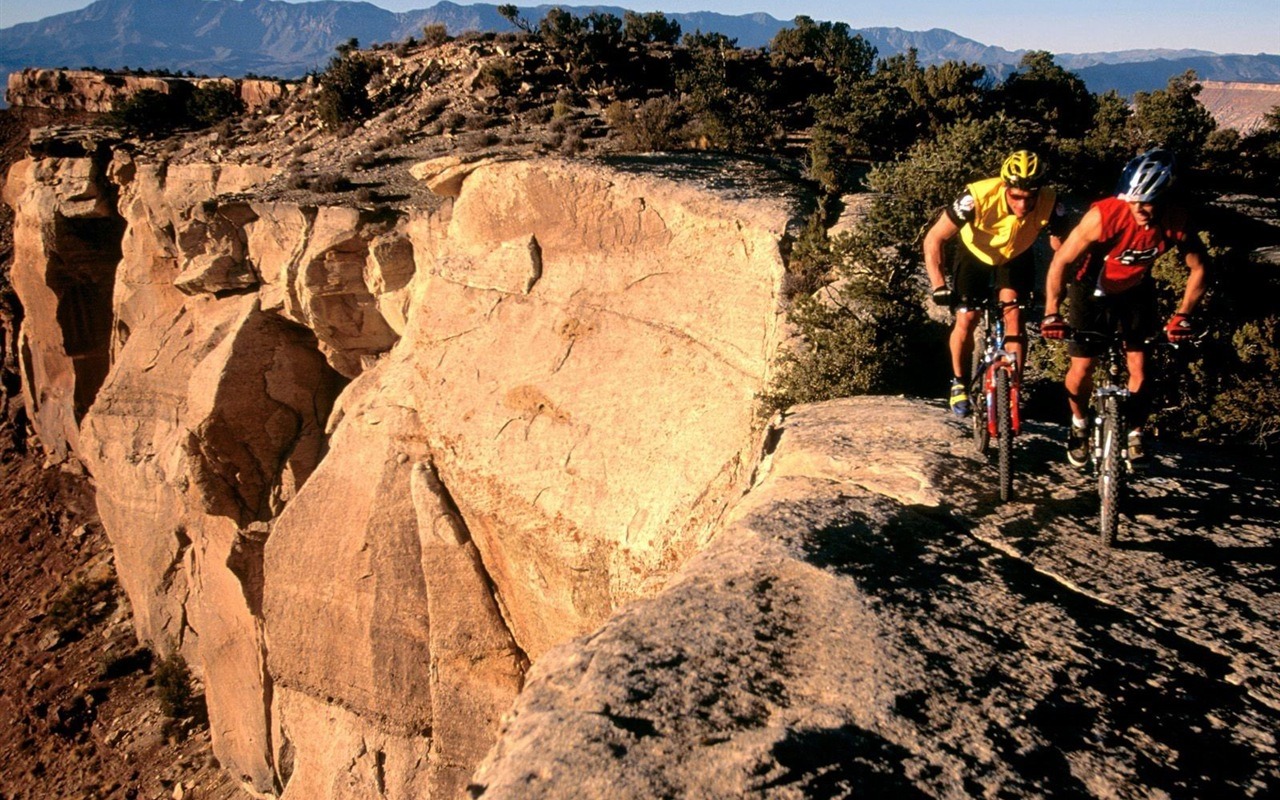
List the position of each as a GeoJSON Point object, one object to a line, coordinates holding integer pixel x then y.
{"type": "Point", "coordinates": [846, 636]}
{"type": "Point", "coordinates": [92, 90]}
{"type": "Point", "coordinates": [548, 406]}
{"type": "Point", "coordinates": [1239, 105]}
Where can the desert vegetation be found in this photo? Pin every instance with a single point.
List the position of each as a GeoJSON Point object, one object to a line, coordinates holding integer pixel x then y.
{"type": "Point", "coordinates": [153, 113]}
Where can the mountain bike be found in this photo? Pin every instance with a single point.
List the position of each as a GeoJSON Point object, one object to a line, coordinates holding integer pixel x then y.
{"type": "Point", "coordinates": [994, 392]}
{"type": "Point", "coordinates": [1109, 454]}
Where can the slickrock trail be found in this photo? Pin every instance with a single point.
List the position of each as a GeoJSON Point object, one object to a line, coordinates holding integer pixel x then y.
{"type": "Point", "coordinates": [1197, 557]}
{"type": "Point", "coordinates": [875, 622]}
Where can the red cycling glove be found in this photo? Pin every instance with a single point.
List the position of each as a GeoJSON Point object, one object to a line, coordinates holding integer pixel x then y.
{"type": "Point", "coordinates": [1054, 327]}
{"type": "Point", "coordinates": [1181, 328]}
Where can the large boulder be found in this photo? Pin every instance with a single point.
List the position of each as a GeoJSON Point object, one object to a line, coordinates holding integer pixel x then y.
{"type": "Point", "coordinates": [569, 411]}
{"type": "Point", "coordinates": [587, 355]}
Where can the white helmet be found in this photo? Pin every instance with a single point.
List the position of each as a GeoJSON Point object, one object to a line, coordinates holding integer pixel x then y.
{"type": "Point", "coordinates": [1146, 177]}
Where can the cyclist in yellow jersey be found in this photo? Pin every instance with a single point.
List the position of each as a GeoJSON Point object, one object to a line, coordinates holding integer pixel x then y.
{"type": "Point", "coordinates": [996, 221]}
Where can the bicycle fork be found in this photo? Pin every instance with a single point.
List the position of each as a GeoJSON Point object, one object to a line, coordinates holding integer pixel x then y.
{"type": "Point", "coordinates": [1003, 361]}
{"type": "Point", "coordinates": [1117, 395]}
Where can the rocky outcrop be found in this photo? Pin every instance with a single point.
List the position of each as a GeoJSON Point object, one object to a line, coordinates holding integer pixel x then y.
{"type": "Point", "coordinates": [551, 405]}
{"type": "Point", "coordinates": [91, 90]}
{"type": "Point", "coordinates": [66, 251]}
{"type": "Point", "coordinates": [844, 635]}
{"type": "Point", "coordinates": [567, 414]}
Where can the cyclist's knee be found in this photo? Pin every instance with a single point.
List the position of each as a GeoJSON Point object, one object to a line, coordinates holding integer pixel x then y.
{"type": "Point", "coordinates": [1079, 373]}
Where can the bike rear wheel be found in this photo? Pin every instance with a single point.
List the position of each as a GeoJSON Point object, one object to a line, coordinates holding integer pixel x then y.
{"type": "Point", "coordinates": [1004, 432]}
{"type": "Point", "coordinates": [1110, 473]}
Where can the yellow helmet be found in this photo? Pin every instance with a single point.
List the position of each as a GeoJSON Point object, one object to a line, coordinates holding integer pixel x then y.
{"type": "Point", "coordinates": [1022, 170]}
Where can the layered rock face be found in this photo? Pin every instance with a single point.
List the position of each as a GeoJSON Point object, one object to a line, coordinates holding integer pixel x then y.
{"type": "Point", "coordinates": [1239, 105]}
{"type": "Point", "coordinates": [88, 90]}
{"type": "Point", "coordinates": [66, 251]}
{"type": "Point", "coordinates": [542, 403]}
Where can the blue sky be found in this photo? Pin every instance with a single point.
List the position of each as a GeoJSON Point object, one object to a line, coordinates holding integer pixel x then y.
{"type": "Point", "coordinates": [1074, 26]}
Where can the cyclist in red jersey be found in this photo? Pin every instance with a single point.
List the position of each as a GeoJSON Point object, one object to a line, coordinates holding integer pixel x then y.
{"type": "Point", "coordinates": [1120, 238]}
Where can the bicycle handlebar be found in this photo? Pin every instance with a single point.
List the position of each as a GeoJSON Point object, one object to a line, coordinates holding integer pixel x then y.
{"type": "Point", "coordinates": [1160, 339]}
{"type": "Point", "coordinates": [1079, 334]}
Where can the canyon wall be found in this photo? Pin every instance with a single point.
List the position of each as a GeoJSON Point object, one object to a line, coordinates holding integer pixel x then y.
{"type": "Point", "coordinates": [363, 466]}
{"type": "Point", "coordinates": [1239, 105]}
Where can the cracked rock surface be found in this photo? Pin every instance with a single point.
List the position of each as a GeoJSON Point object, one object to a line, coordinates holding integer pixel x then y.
{"type": "Point", "coordinates": [875, 623]}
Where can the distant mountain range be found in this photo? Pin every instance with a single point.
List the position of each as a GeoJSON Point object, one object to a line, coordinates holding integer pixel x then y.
{"type": "Point", "coordinates": [269, 37]}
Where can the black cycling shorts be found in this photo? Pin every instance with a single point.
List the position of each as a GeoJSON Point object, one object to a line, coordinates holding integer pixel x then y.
{"type": "Point", "coordinates": [1132, 312]}
{"type": "Point", "coordinates": [975, 280]}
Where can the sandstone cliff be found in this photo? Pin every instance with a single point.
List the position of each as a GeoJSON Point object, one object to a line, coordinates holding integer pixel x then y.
{"type": "Point", "coordinates": [543, 400]}
{"type": "Point", "coordinates": [96, 91]}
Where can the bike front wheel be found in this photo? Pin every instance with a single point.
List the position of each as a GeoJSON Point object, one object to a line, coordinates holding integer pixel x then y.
{"type": "Point", "coordinates": [1004, 432]}
{"type": "Point", "coordinates": [1110, 473]}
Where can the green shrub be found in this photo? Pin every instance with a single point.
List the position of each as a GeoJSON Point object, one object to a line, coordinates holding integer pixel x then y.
{"type": "Point", "coordinates": [174, 686]}
{"type": "Point", "coordinates": [1172, 117]}
{"type": "Point", "coordinates": [649, 27]}
{"type": "Point", "coordinates": [810, 260]}
{"type": "Point", "coordinates": [828, 45]}
{"type": "Point", "coordinates": [435, 34]}
{"type": "Point", "coordinates": [500, 74]}
{"type": "Point", "coordinates": [344, 94]}
{"type": "Point", "coordinates": [329, 183]}
{"type": "Point", "coordinates": [213, 103]}
{"type": "Point", "coordinates": [81, 603]}
{"type": "Point", "coordinates": [727, 96]}
{"type": "Point", "coordinates": [453, 120]}
{"type": "Point", "coordinates": [916, 188]}
{"type": "Point", "coordinates": [1247, 406]}
{"type": "Point", "coordinates": [656, 124]}
{"type": "Point", "coordinates": [1046, 98]}
{"type": "Point", "coordinates": [180, 704]}
{"type": "Point", "coordinates": [433, 107]}
{"type": "Point", "coordinates": [861, 335]}
{"type": "Point", "coordinates": [149, 113]}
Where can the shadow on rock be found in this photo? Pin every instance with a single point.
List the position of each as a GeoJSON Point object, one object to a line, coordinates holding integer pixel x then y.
{"type": "Point", "coordinates": [844, 762]}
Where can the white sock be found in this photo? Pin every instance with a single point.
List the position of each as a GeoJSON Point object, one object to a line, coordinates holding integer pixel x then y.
{"type": "Point", "coordinates": [1079, 423]}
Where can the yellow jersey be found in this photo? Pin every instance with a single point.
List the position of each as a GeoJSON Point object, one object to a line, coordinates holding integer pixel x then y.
{"type": "Point", "coordinates": [988, 227]}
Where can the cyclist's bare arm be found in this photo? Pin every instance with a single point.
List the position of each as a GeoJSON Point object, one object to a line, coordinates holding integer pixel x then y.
{"type": "Point", "coordinates": [938, 235]}
{"type": "Point", "coordinates": [1197, 281]}
{"type": "Point", "coordinates": [1086, 233]}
